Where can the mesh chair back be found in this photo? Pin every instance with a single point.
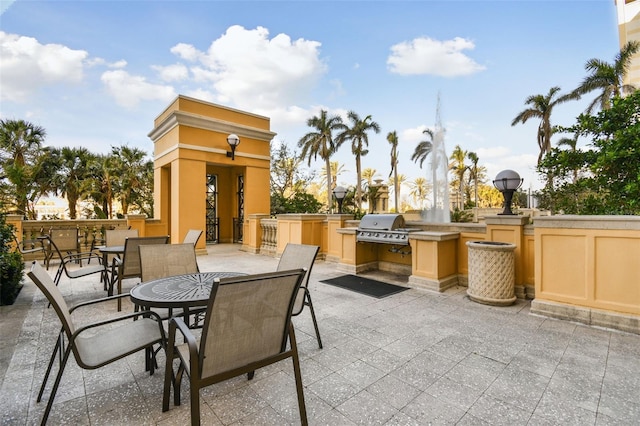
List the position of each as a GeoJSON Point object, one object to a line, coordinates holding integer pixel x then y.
{"type": "Point", "coordinates": [131, 257]}
{"type": "Point", "coordinates": [117, 237]}
{"type": "Point", "coordinates": [166, 260]}
{"type": "Point", "coordinates": [65, 239]}
{"type": "Point", "coordinates": [192, 236]}
{"type": "Point", "coordinates": [298, 256]}
{"type": "Point", "coordinates": [247, 320]}
{"type": "Point", "coordinates": [45, 283]}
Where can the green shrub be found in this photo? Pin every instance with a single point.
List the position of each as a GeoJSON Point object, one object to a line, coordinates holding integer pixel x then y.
{"type": "Point", "coordinates": [11, 265]}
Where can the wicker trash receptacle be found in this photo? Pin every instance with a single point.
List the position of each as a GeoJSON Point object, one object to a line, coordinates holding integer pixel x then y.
{"type": "Point", "coordinates": [491, 272]}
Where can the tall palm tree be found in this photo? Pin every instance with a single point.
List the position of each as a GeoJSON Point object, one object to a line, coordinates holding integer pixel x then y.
{"type": "Point", "coordinates": [541, 106]}
{"type": "Point", "coordinates": [320, 142]}
{"type": "Point", "coordinates": [392, 138]}
{"type": "Point", "coordinates": [609, 78]}
{"type": "Point", "coordinates": [20, 144]}
{"type": "Point", "coordinates": [459, 168]}
{"type": "Point", "coordinates": [423, 149]}
{"type": "Point", "coordinates": [357, 133]}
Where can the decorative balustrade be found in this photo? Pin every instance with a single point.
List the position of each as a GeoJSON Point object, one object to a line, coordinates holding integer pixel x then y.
{"type": "Point", "coordinates": [89, 230]}
{"type": "Point", "coordinates": [269, 236]}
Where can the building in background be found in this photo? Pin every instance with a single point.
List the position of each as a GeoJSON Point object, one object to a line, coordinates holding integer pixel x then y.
{"type": "Point", "coordinates": [629, 29]}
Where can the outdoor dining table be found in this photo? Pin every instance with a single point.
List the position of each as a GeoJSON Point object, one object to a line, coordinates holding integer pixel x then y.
{"type": "Point", "coordinates": [178, 291]}
{"type": "Point", "coordinates": [106, 251]}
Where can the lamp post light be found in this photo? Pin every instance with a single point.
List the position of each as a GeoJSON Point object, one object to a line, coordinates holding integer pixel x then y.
{"type": "Point", "coordinates": [233, 140]}
{"type": "Point", "coordinates": [507, 182]}
{"type": "Point", "coordinates": [339, 193]}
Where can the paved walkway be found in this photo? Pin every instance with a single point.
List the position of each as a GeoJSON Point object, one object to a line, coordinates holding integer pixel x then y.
{"type": "Point", "coordinates": [414, 358]}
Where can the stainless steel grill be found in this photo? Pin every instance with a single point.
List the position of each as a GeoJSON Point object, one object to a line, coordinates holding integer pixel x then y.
{"type": "Point", "coordinates": [384, 229]}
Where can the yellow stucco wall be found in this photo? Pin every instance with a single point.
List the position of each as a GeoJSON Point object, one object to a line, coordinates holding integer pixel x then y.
{"type": "Point", "coordinates": [589, 261]}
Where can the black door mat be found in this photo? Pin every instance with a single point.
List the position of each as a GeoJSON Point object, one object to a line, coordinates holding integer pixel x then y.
{"type": "Point", "coordinates": [366, 286]}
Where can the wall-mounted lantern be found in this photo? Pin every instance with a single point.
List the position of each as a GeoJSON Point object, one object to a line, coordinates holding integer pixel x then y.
{"type": "Point", "coordinates": [507, 182]}
{"type": "Point", "coordinates": [233, 140]}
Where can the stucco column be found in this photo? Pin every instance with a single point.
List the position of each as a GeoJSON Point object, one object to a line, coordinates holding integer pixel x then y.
{"type": "Point", "coordinates": [188, 197]}
{"type": "Point", "coordinates": [334, 240]}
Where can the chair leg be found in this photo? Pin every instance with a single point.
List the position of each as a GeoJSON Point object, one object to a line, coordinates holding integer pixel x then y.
{"type": "Point", "coordinates": [298, 375]}
{"type": "Point", "coordinates": [313, 316]}
{"type": "Point", "coordinates": [55, 386]}
{"type": "Point", "coordinates": [119, 293]}
{"type": "Point", "coordinates": [53, 357]}
{"type": "Point", "coordinates": [195, 404]}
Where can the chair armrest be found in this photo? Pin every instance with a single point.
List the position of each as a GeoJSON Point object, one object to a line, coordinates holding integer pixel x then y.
{"type": "Point", "coordinates": [121, 318]}
{"type": "Point", "coordinates": [179, 324]}
{"type": "Point", "coordinates": [81, 256]}
{"type": "Point", "coordinates": [100, 300]}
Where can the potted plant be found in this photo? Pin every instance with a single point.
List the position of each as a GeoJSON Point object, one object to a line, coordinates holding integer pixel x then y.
{"type": "Point", "coordinates": [11, 265]}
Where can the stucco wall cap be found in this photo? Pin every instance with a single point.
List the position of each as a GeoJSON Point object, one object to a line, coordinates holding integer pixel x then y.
{"type": "Point", "coordinates": [588, 222]}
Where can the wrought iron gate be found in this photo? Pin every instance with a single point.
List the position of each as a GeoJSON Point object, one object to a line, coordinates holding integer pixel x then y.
{"type": "Point", "coordinates": [213, 230]}
{"type": "Point", "coordinates": [238, 221]}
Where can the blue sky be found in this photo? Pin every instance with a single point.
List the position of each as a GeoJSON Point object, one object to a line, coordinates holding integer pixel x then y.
{"type": "Point", "coordinates": [97, 73]}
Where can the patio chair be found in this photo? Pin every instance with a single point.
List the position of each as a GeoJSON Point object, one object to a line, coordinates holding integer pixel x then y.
{"type": "Point", "coordinates": [129, 265]}
{"type": "Point", "coordinates": [66, 260]}
{"type": "Point", "coordinates": [301, 256]}
{"type": "Point", "coordinates": [246, 327]}
{"type": "Point", "coordinates": [29, 246]}
{"type": "Point", "coordinates": [99, 343]}
{"type": "Point", "coordinates": [166, 260]}
{"type": "Point", "coordinates": [192, 237]}
{"type": "Point", "coordinates": [66, 240]}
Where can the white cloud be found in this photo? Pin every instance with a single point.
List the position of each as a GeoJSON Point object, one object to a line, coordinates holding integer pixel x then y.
{"type": "Point", "coordinates": [26, 65]}
{"type": "Point", "coordinates": [175, 72]}
{"type": "Point", "coordinates": [428, 56]}
{"type": "Point", "coordinates": [129, 90]}
{"type": "Point", "coordinates": [251, 71]}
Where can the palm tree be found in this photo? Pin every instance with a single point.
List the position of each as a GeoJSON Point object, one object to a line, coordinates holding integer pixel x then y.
{"type": "Point", "coordinates": [392, 138]}
{"type": "Point", "coordinates": [20, 144]}
{"type": "Point", "coordinates": [609, 78]}
{"type": "Point", "coordinates": [541, 107]}
{"type": "Point", "coordinates": [400, 179]}
{"type": "Point", "coordinates": [459, 169]}
{"type": "Point", "coordinates": [477, 174]}
{"type": "Point", "coordinates": [359, 138]}
{"type": "Point", "coordinates": [130, 167]}
{"type": "Point", "coordinates": [423, 149]}
{"type": "Point", "coordinates": [320, 142]}
{"type": "Point", "coordinates": [420, 188]}
{"type": "Point", "coordinates": [102, 170]}
{"type": "Point", "coordinates": [72, 173]}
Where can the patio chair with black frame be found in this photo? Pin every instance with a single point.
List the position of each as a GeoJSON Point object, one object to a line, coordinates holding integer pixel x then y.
{"type": "Point", "coordinates": [66, 260]}
{"type": "Point", "coordinates": [129, 265]}
{"type": "Point", "coordinates": [66, 240]}
{"type": "Point", "coordinates": [247, 326]}
{"type": "Point", "coordinates": [29, 246]}
{"type": "Point", "coordinates": [96, 344]}
{"type": "Point", "coordinates": [301, 256]}
{"type": "Point", "coordinates": [166, 260]}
